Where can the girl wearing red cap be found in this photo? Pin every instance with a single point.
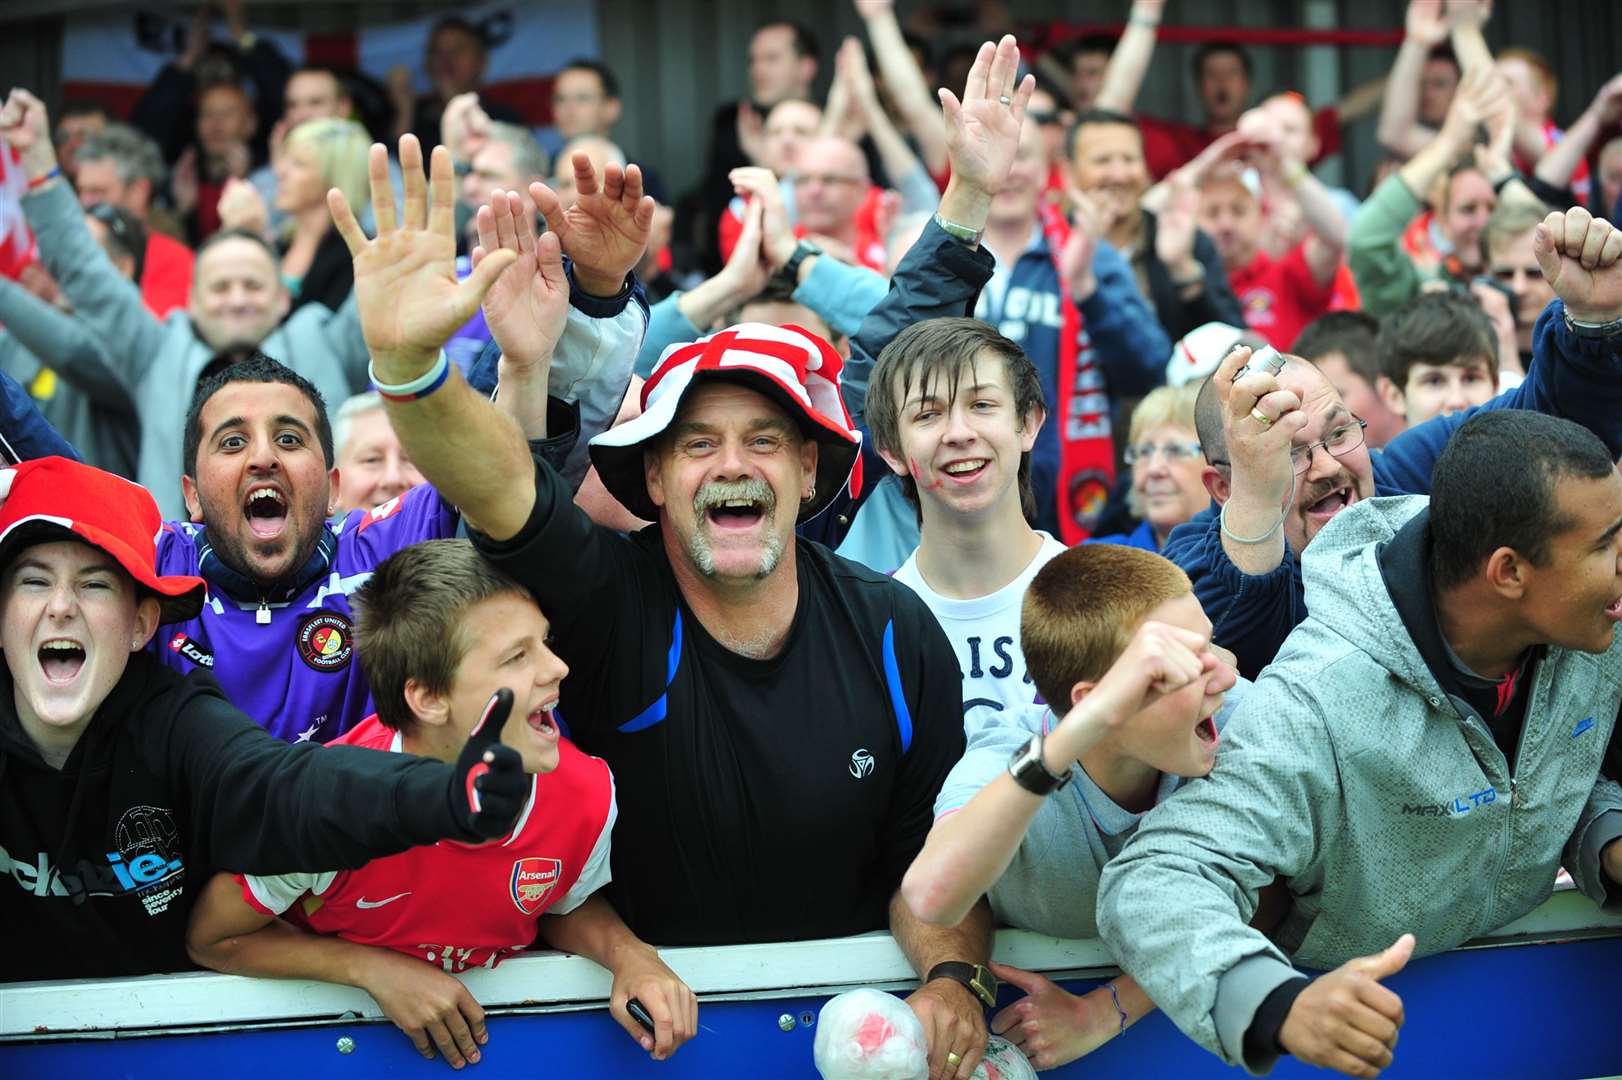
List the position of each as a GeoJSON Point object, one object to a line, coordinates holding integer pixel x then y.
{"type": "Point", "coordinates": [126, 784]}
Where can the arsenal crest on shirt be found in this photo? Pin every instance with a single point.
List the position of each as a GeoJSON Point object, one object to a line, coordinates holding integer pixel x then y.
{"type": "Point", "coordinates": [532, 882]}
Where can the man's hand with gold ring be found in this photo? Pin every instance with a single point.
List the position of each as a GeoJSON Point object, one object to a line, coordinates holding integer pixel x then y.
{"type": "Point", "coordinates": [1256, 455]}
{"type": "Point", "coordinates": [955, 1028]}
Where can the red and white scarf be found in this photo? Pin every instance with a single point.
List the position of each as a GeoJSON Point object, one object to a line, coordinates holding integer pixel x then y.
{"type": "Point", "coordinates": [1086, 441]}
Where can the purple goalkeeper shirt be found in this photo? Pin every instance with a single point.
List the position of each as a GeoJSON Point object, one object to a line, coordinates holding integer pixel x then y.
{"type": "Point", "coordinates": [294, 673]}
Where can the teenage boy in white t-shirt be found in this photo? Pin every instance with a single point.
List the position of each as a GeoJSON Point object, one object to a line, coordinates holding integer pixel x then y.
{"type": "Point", "coordinates": [1115, 639]}
{"type": "Point", "coordinates": [954, 408]}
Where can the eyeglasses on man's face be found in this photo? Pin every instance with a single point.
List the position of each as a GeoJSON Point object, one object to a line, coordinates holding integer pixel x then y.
{"type": "Point", "coordinates": [1345, 438]}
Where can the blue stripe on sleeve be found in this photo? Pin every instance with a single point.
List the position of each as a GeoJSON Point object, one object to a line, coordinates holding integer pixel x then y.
{"type": "Point", "coordinates": [898, 700]}
{"type": "Point", "coordinates": [656, 712]}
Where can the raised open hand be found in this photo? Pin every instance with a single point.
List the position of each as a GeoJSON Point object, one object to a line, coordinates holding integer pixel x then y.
{"type": "Point", "coordinates": [1087, 223]}
{"type": "Point", "coordinates": [405, 279]}
{"type": "Point", "coordinates": [1176, 227]}
{"type": "Point", "coordinates": [1426, 22]}
{"type": "Point", "coordinates": [1468, 12]}
{"type": "Point", "coordinates": [982, 130]}
{"type": "Point", "coordinates": [464, 126]}
{"type": "Point", "coordinates": [1482, 94]}
{"type": "Point", "coordinates": [242, 207]}
{"type": "Point", "coordinates": [528, 305]}
{"type": "Point", "coordinates": [776, 235]}
{"type": "Point", "coordinates": [607, 228]}
{"type": "Point", "coordinates": [1579, 255]}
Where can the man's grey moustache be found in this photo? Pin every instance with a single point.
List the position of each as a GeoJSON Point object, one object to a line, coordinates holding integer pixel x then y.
{"type": "Point", "coordinates": [754, 490]}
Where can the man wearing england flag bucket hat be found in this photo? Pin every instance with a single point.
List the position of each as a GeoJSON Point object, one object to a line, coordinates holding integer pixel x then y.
{"type": "Point", "coordinates": [124, 784]}
{"type": "Point", "coordinates": [778, 719]}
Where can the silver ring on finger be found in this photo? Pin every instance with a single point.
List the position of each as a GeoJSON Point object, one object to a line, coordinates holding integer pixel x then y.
{"type": "Point", "coordinates": [1261, 418]}
{"type": "Point", "coordinates": [1006, 100]}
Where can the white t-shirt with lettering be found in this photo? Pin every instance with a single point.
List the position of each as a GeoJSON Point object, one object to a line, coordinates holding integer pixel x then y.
{"type": "Point", "coordinates": [985, 635]}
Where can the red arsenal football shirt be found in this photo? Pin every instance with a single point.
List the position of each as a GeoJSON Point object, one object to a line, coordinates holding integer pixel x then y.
{"type": "Point", "coordinates": [457, 905]}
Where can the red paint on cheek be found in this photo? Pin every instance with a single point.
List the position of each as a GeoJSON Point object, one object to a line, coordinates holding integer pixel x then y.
{"type": "Point", "coordinates": [918, 477]}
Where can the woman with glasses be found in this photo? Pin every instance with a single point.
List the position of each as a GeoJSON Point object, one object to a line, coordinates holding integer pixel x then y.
{"type": "Point", "coordinates": [318, 155]}
{"type": "Point", "coordinates": [1164, 454]}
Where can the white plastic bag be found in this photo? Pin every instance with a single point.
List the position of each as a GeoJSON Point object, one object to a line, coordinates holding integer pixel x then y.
{"type": "Point", "coordinates": [870, 1035]}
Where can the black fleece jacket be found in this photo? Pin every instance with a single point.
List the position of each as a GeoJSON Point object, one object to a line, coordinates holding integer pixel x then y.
{"type": "Point", "coordinates": [168, 784]}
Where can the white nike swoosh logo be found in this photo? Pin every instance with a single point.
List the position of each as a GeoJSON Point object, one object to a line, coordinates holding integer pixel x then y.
{"type": "Point", "coordinates": [364, 903]}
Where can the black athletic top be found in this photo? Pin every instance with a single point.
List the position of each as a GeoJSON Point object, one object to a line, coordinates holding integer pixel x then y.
{"type": "Point", "coordinates": [760, 800]}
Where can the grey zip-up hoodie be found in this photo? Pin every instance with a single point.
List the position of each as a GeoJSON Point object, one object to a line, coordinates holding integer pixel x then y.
{"type": "Point", "coordinates": [1386, 806]}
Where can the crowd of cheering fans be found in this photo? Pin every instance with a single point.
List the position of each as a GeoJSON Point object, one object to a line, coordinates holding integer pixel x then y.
{"type": "Point", "coordinates": [425, 537]}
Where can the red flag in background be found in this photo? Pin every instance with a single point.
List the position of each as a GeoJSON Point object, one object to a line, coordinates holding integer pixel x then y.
{"type": "Point", "coordinates": [16, 242]}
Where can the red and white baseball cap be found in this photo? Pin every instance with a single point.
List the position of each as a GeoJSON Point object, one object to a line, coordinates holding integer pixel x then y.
{"type": "Point", "coordinates": [53, 498]}
{"type": "Point", "coordinates": [1200, 351]}
{"type": "Point", "coordinates": [789, 364]}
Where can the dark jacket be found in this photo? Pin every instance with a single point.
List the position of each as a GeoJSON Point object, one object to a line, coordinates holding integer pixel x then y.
{"type": "Point", "coordinates": [168, 109]}
{"type": "Point", "coordinates": [1576, 378]}
{"type": "Point", "coordinates": [24, 433]}
{"type": "Point", "coordinates": [169, 783]}
{"type": "Point", "coordinates": [1215, 303]}
{"type": "Point", "coordinates": [331, 275]}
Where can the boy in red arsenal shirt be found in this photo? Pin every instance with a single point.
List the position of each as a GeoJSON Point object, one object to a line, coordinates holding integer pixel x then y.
{"type": "Point", "coordinates": [439, 632]}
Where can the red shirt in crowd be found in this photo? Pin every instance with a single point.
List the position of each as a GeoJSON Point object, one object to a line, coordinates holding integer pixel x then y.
{"type": "Point", "coordinates": [869, 247]}
{"type": "Point", "coordinates": [1280, 296]}
{"type": "Point", "coordinates": [462, 906]}
{"type": "Point", "coordinates": [1170, 144]}
{"type": "Point", "coordinates": [165, 274]}
{"type": "Point", "coordinates": [1581, 185]}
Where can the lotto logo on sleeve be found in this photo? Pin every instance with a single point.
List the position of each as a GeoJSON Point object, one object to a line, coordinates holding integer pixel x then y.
{"type": "Point", "coordinates": [325, 642]}
{"type": "Point", "coordinates": [532, 882]}
{"type": "Point", "coordinates": [188, 648]}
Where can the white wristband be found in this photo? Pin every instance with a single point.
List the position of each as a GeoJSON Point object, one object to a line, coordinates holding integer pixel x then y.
{"type": "Point", "coordinates": [417, 388]}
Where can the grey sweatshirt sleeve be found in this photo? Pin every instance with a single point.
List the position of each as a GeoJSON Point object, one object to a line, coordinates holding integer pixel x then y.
{"type": "Point", "coordinates": [1174, 905]}
{"type": "Point", "coordinates": [109, 304]}
{"type": "Point", "coordinates": [343, 336]}
{"type": "Point", "coordinates": [65, 345]}
{"type": "Point", "coordinates": [1600, 823]}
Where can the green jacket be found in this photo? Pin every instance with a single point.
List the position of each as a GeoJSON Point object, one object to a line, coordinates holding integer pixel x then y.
{"type": "Point", "coordinates": [1386, 277]}
{"type": "Point", "coordinates": [1384, 805]}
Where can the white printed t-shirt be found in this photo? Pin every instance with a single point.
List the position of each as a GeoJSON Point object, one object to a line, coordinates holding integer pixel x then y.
{"type": "Point", "coordinates": [984, 633]}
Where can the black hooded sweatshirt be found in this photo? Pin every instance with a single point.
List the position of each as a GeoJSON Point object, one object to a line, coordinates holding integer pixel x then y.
{"type": "Point", "coordinates": [168, 784]}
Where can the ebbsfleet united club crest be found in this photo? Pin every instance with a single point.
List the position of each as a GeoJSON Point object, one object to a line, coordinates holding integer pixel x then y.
{"type": "Point", "coordinates": [533, 881]}
{"type": "Point", "coordinates": [325, 641]}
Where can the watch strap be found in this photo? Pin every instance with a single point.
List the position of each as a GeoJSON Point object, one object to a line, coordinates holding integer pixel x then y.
{"type": "Point", "coordinates": [977, 977]}
{"type": "Point", "coordinates": [802, 251]}
{"type": "Point", "coordinates": [1593, 330]}
{"type": "Point", "coordinates": [1031, 772]}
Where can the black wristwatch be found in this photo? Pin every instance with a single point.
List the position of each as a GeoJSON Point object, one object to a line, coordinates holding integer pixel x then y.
{"type": "Point", "coordinates": [802, 251]}
{"type": "Point", "coordinates": [977, 977]}
{"type": "Point", "coordinates": [1031, 772]}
